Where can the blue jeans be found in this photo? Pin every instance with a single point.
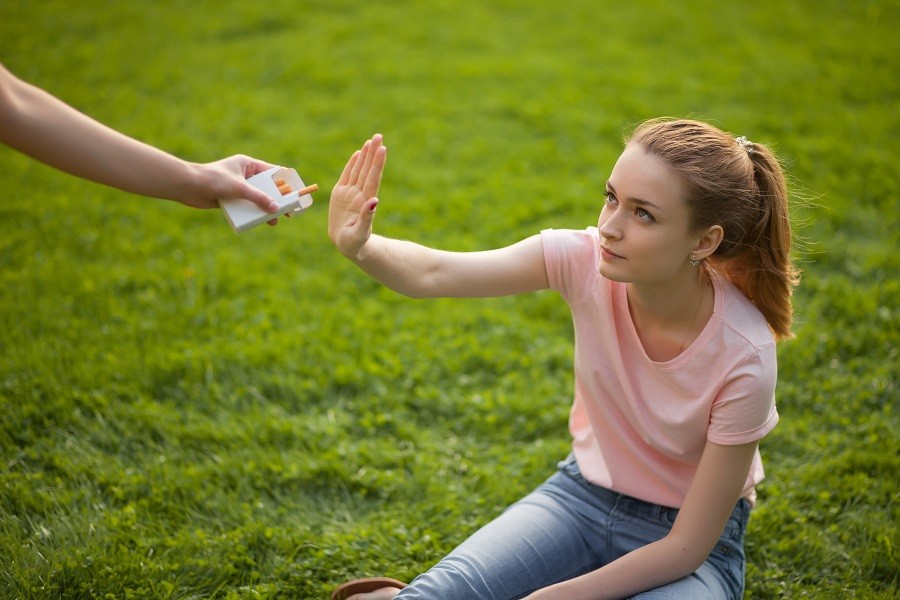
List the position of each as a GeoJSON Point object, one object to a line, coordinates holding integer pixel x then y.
{"type": "Point", "coordinates": [568, 527]}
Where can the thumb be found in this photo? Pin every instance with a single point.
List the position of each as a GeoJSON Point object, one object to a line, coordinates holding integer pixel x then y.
{"type": "Point", "coordinates": [368, 213]}
{"type": "Point", "coordinates": [256, 196]}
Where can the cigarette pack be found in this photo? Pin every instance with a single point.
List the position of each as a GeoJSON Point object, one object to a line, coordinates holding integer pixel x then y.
{"type": "Point", "coordinates": [244, 214]}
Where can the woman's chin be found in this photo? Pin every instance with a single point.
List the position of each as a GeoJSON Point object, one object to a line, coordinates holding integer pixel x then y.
{"type": "Point", "coordinates": [611, 273]}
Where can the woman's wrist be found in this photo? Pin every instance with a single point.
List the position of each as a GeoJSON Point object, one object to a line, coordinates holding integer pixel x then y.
{"type": "Point", "coordinates": [365, 253]}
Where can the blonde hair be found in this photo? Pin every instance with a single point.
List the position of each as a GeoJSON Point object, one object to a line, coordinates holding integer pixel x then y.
{"type": "Point", "coordinates": [740, 186]}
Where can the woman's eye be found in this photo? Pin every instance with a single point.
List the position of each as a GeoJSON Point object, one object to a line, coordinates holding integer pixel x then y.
{"type": "Point", "coordinates": [643, 214]}
{"type": "Point", "coordinates": [610, 199]}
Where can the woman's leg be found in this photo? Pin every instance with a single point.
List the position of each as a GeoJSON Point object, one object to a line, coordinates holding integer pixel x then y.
{"type": "Point", "coordinates": [722, 575]}
{"type": "Point", "coordinates": [568, 527]}
{"type": "Point", "coordinates": [551, 535]}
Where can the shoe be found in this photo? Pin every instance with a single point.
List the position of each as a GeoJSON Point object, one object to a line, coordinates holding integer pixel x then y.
{"type": "Point", "coordinates": [360, 586]}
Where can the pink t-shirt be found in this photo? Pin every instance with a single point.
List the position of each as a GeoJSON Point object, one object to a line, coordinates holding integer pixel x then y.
{"type": "Point", "coordinates": [639, 426]}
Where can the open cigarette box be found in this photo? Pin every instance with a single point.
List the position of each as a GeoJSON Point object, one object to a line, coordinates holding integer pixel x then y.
{"type": "Point", "coordinates": [283, 185]}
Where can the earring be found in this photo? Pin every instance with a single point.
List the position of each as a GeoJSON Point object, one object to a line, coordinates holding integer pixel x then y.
{"type": "Point", "coordinates": [694, 261]}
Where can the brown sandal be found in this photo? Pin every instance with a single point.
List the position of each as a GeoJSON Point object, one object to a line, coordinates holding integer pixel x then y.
{"type": "Point", "coordinates": [361, 586]}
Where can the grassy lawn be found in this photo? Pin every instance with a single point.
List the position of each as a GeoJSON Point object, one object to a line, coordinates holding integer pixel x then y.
{"type": "Point", "coordinates": [187, 413]}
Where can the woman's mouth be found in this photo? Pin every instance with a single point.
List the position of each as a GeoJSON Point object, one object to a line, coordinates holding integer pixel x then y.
{"type": "Point", "coordinates": [608, 255]}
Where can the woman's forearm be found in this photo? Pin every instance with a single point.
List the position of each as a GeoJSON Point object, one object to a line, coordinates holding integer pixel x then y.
{"type": "Point", "coordinates": [646, 568]}
{"type": "Point", "coordinates": [405, 267]}
{"type": "Point", "coordinates": [421, 272]}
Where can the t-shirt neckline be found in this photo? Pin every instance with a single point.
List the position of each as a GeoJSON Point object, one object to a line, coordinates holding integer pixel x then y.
{"type": "Point", "coordinates": [718, 299]}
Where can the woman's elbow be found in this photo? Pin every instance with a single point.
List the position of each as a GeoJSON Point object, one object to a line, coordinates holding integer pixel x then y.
{"type": "Point", "coordinates": [415, 294]}
{"type": "Point", "coordinates": [416, 290]}
{"type": "Point", "coordinates": [425, 286]}
{"type": "Point", "coordinates": [691, 554]}
{"type": "Point", "coordinates": [8, 97]}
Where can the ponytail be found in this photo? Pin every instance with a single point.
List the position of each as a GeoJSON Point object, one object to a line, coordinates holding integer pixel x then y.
{"type": "Point", "coordinates": [740, 186]}
{"type": "Point", "coordinates": [763, 269]}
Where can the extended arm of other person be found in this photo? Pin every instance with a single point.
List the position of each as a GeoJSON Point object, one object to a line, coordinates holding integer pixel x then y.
{"type": "Point", "coordinates": [45, 128]}
{"type": "Point", "coordinates": [412, 269]}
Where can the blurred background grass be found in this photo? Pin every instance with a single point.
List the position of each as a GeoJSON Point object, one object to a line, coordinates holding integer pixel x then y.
{"type": "Point", "coordinates": [187, 413]}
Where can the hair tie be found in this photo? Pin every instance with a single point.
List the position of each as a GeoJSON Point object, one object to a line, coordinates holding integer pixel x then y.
{"type": "Point", "coordinates": [744, 143]}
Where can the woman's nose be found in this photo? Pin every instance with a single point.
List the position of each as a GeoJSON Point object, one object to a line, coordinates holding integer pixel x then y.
{"type": "Point", "coordinates": [609, 226]}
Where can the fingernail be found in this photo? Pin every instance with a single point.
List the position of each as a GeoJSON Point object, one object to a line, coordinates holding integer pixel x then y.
{"type": "Point", "coordinates": [373, 206]}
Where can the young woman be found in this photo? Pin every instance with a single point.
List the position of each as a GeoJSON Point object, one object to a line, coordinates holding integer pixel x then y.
{"type": "Point", "coordinates": [678, 297]}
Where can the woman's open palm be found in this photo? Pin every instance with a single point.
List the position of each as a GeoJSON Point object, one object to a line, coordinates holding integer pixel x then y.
{"type": "Point", "coordinates": [351, 209]}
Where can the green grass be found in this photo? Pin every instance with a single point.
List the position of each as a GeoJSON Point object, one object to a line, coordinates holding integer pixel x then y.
{"type": "Point", "coordinates": [187, 413]}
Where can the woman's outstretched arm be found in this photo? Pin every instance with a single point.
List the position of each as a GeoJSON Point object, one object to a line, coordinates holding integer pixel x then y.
{"type": "Point", "coordinates": [413, 269]}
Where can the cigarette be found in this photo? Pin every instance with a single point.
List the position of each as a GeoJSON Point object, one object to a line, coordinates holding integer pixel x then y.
{"type": "Point", "coordinates": [280, 182]}
{"type": "Point", "coordinates": [308, 189]}
{"type": "Point", "coordinates": [284, 189]}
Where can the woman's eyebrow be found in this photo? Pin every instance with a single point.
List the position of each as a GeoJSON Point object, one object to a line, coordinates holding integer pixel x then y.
{"type": "Point", "coordinates": [635, 200]}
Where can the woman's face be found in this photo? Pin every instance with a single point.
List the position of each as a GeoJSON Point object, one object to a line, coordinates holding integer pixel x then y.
{"type": "Point", "coordinates": [644, 233]}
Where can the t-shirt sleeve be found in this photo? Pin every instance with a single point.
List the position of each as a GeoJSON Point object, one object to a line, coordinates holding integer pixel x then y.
{"type": "Point", "coordinates": [744, 410]}
{"type": "Point", "coordinates": [570, 259]}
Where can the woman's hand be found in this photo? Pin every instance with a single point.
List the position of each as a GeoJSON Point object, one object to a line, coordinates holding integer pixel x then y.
{"type": "Point", "coordinates": [351, 209]}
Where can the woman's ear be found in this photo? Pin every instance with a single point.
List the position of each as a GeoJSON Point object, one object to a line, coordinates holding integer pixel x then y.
{"type": "Point", "coordinates": [708, 242]}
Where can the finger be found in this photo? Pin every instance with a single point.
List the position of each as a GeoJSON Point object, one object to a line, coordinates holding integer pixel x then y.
{"type": "Point", "coordinates": [345, 174]}
{"type": "Point", "coordinates": [358, 165]}
{"type": "Point", "coordinates": [257, 197]}
{"type": "Point", "coordinates": [374, 146]}
{"type": "Point", "coordinates": [253, 166]}
{"type": "Point", "coordinates": [373, 177]}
